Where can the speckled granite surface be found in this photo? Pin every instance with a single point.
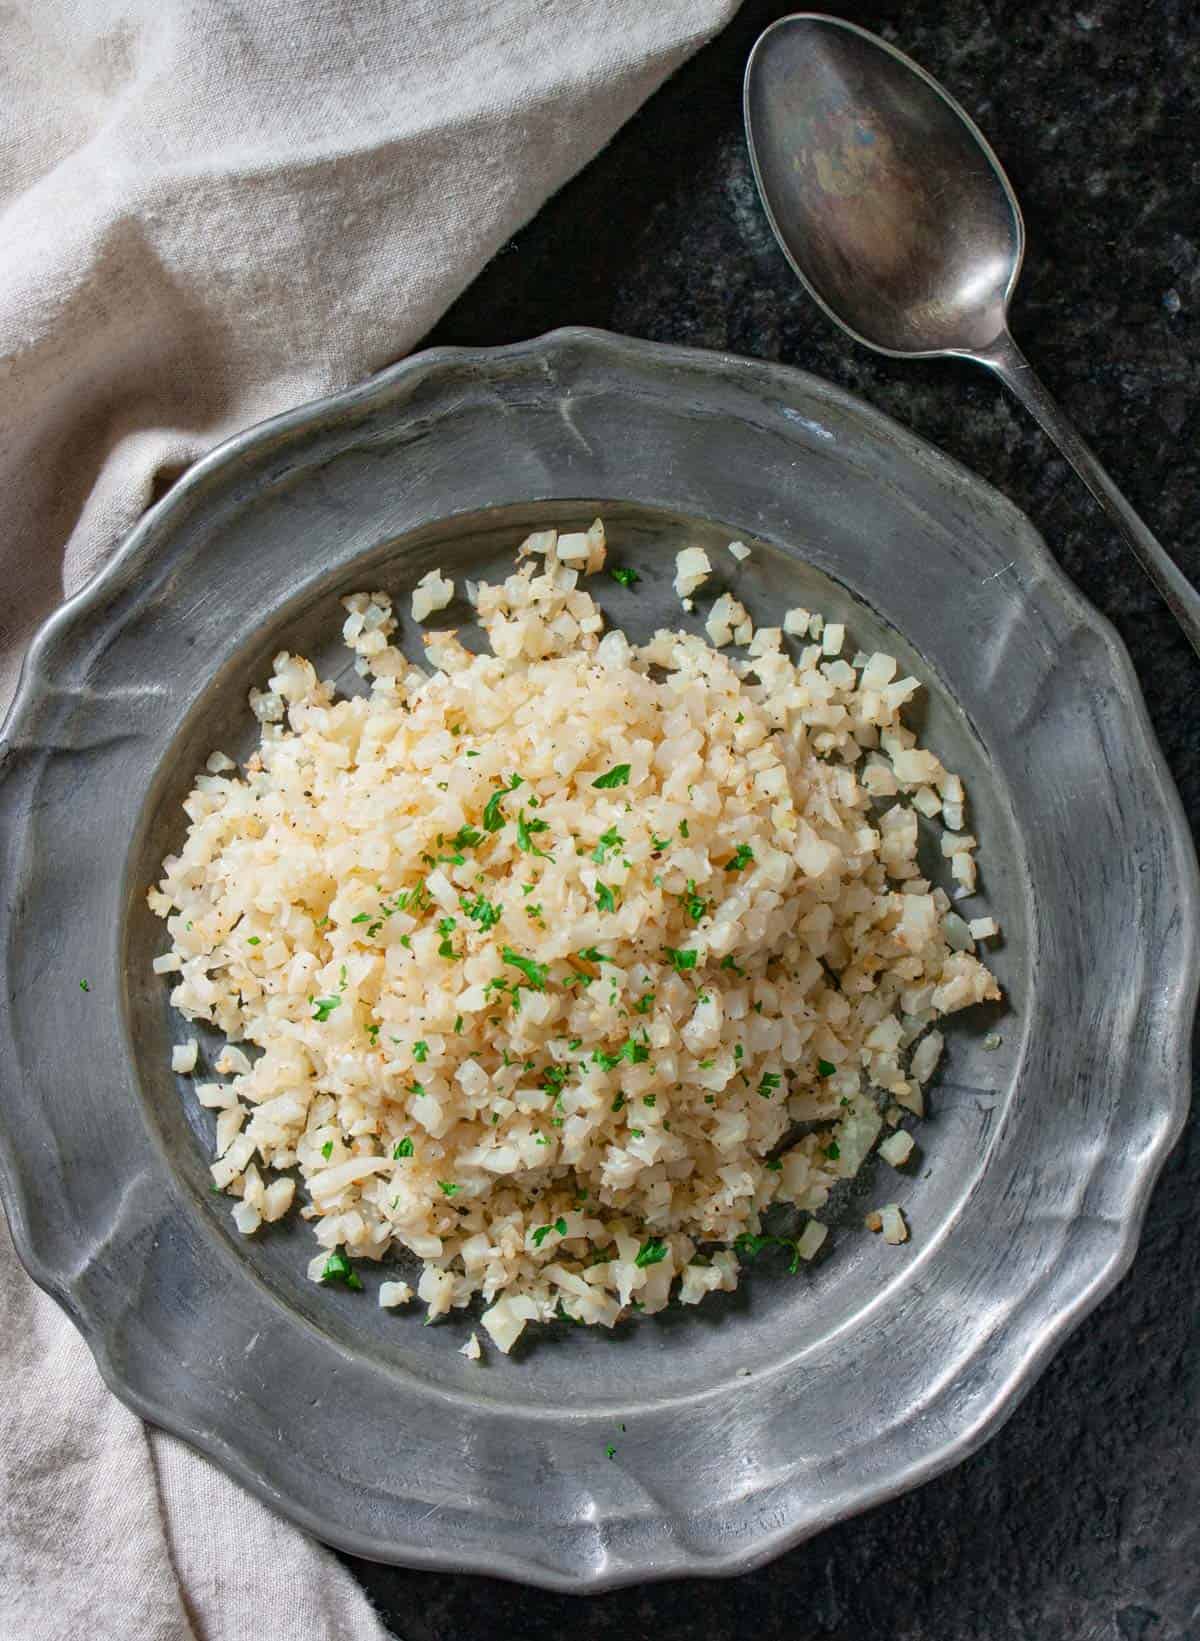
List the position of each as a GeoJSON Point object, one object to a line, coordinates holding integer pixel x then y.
{"type": "Point", "coordinates": [1080, 1521]}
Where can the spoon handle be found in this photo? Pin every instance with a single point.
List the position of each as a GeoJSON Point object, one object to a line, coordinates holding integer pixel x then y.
{"type": "Point", "coordinates": [1007, 361]}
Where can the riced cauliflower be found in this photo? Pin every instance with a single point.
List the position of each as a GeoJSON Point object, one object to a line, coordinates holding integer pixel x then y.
{"type": "Point", "coordinates": [557, 966]}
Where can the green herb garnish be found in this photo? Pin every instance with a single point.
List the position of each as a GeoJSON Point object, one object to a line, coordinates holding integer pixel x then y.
{"type": "Point", "coordinates": [680, 960]}
{"type": "Point", "coordinates": [327, 1150]}
{"type": "Point", "coordinates": [481, 911]}
{"type": "Point", "coordinates": [651, 1252]}
{"type": "Point", "coordinates": [493, 820]}
{"type": "Point", "coordinates": [826, 1068]}
{"type": "Point", "coordinates": [323, 1007]}
{"type": "Point", "coordinates": [420, 1052]}
{"type": "Point", "coordinates": [535, 973]}
{"type": "Point", "coordinates": [339, 1269]}
{"type": "Point", "coordinates": [448, 1188]}
{"type": "Point", "coordinates": [609, 842]}
{"type": "Point", "coordinates": [543, 1231]}
{"type": "Point", "coordinates": [403, 1148]}
{"type": "Point", "coordinates": [606, 900]}
{"type": "Point", "coordinates": [742, 857]}
{"type": "Point", "coordinates": [525, 833]}
{"type": "Point", "coordinates": [618, 775]}
{"type": "Point", "coordinates": [624, 577]}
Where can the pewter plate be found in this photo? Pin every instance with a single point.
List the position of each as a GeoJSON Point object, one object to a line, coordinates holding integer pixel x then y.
{"type": "Point", "coordinates": [755, 1419]}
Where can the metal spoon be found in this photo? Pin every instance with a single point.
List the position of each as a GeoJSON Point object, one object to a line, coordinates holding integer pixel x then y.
{"type": "Point", "coordinates": [899, 220]}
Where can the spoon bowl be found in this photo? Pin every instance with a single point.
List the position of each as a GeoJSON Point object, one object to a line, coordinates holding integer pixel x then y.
{"type": "Point", "coordinates": [899, 220]}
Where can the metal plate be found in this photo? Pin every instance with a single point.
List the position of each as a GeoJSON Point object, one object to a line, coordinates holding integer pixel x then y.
{"type": "Point", "coordinates": [868, 1373]}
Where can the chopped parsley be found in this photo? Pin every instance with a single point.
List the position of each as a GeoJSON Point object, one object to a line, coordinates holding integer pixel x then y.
{"type": "Point", "coordinates": [680, 960]}
{"type": "Point", "coordinates": [466, 838]}
{"type": "Point", "coordinates": [339, 1269]}
{"type": "Point", "coordinates": [659, 844]}
{"type": "Point", "coordinates": [644, 1003]}
{"type": "Point", "coordinates": [770, 1082]}
{"type": "Point", "coordinates": [591, 954]}
{"type": "Point", "coordinates": [618, 1102]}
{"type": "Point", "coordinates": [493, 820]}
{"type": "Point", "coordinates": [825, 1068]}
{"type": "Point", "coordinates": [728, 963]}
{"type": "Point", "coordinates": [543, 1231]}
{"type": "Point", "coordinates": [481, 911]}
{"type": "Point", "coordinates": [605, 1061]}
{"type": "Point", "coordinates": [651, 1252]}
{"type": "Point", "coordinates": [446, 926]}
{"type": "Point", "coordinates": [327, 1150]}
{"type": "Point", "coordinates": [624, 577]}
{"type": "Point", "coordinates": [695, 905]}
{"type": "Point", "coordinates": [535, 973]}
{"type": "Point", "coordinates": [610, 1451]}
{"type": "Point", "coordinates": [323, 1007]}
{"type": "Point", "coordinates": [609, 842]}
{"type": "Point", "coordinates": [458, 1025]}
{"type": "Point", "coordinates": [833, 1151]}
{"type": "Point", "coordinates": [83, 986]}
{"type": "Point", "coordinates": [606, 900]}
{"type": "Point", "coordinates": [420, 1052]}
{"type": "Point", "coordinates": [683, 829]}
{"type": "Point", "coordinates": [253, 940]}
{"type": "Point", "coordinates": [362, 917]}
{"type": "Point", "coordinates": [743, 855]}
{"type": "Point", "coordinates": [526, 829]}
{"type": "Point", "coordinates": [618, 775]}
{"type": "Point", "coordinates": [448, 1188]}
{"type": "Point", "coordinates": [373, 1034]}
{"type": "Point", "coordinates": [403, 1148]}
{"type": "Point", "coordinates": [635, 1054]}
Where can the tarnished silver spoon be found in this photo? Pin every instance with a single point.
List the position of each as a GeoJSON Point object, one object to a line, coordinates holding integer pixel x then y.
{"type": "Point", "coordinates": [900, 221]}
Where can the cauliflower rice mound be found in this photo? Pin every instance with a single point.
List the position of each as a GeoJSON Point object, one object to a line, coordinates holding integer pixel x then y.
{"type": "Point", "coordinates": [548, 952]}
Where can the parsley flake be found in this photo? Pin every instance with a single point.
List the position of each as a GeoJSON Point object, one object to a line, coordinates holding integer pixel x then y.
{"type": "Point", "coordinates": [826, 1068]}
{"type": "Point", "coordinates": [618, 775]}
{"type": "Point", "coordinates": [493, 820]}
{"type": "Point", "coordinates": [323, 1007]}
{"type": "Point", "coordinates": [609, 841]}
{"type": "Point", "coordinates": [651, 1252]}
{"type": "Point", "coordinates": [403, 1148]}
{"type": "Point", "coordinates": [680, 960]}
{"type": "Point", "coordinates": [339, 1269]}
{"type": "Point", "coordinates": [606, 900]}
{"type": "Point", "coordinates": [625, 577]}
{"type": "Point", "coordinates": [535, 973]}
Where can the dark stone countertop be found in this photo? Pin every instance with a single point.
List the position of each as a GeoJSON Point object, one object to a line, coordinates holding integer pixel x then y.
{"type": "Point", "coordinates": [1081, 1519]}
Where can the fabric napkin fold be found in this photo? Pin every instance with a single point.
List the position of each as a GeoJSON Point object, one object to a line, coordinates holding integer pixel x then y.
{"type": "Point", "coordinates": [213, 210]}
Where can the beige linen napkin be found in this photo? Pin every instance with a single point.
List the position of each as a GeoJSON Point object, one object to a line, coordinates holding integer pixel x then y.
{"type": "Point", "coordinates": [212, 210]}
